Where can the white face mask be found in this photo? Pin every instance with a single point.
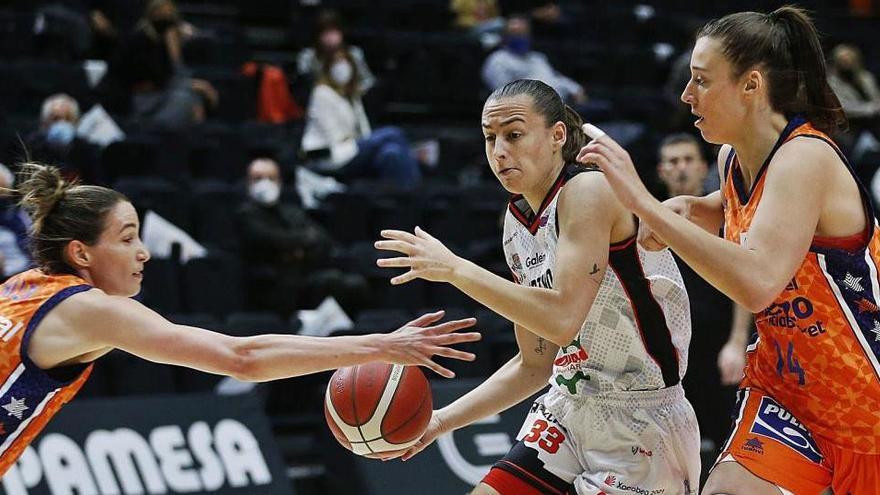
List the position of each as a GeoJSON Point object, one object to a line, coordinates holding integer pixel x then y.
{"type": "Point", "coordinates": [341, 72]}
{"type": "Point", "coordinates": [265, 191]}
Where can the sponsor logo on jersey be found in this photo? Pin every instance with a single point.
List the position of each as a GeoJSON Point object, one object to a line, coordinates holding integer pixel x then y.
{"type": "Point", "coordinates": [773, 421]}
{"type": "Point", "coordinates": [515, 262]}
{"type": "Point", "coordinates": [536, 260]}
{"type": "Point", "coordinates": [754, 445]}
{"type": "Point", "coordinates": [796, 313]}
{"type": "Point", "coordinates": [612, 480]}
{"type": "Point", "coordinates": [638, 450]}
{"type": "Point", "coordinates": [544, 220]}
{"type": "Point", "coordinates": [566, 360]}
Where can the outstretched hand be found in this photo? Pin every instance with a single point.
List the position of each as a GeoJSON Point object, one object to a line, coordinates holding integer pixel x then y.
{"type": "Point", "coordinates": [425, 256]}
{"type": "Point", "coordinates": [615, 161]}
{"type": "Point", "coordinates": [418, 341]}
{"type": "Point", "coordinates": [434, 430]}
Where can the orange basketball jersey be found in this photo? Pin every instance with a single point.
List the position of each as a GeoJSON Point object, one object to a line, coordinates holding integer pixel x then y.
{"type": "Point", "coordinates": [818, 343]}
{"type": "Point", "coordinates": [29, 396]}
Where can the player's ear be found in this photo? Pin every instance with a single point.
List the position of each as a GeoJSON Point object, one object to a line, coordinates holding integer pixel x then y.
{"type": "Point", "coordinates": [560, 135]}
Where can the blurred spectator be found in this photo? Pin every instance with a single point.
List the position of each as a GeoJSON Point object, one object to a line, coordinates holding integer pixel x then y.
{"type": "Point", "coordinates": [477, 16]}
{"type": "Point", "coordinates": [286, 253]}
{"type": "Point", "coordinates": [516, 60]}
{"type": "Point", "coordinates": [858, 93]}
{"type": "Point", "coordinates": [61, 30]}
{"type": "Point", "coordinates": [547, 16]}
{"type": "Point", "coordinates": [683, 169]}
{"type": "Point", "coordinates": [14, 224]}
{"type": "Point", "coordinates": [329, 39]}
{"type": "Point", "coordinates": [56, 141]}
{"type": "Point", "coordinates": [149, 68]}
{"type": "Point", "coordinates": [110, 19]}
{"type": "Point", "coordinates": [338, 138]}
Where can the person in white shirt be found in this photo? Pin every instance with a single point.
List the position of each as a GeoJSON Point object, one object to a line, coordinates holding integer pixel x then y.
{"type": "Point", "coordinates": [337, 129]}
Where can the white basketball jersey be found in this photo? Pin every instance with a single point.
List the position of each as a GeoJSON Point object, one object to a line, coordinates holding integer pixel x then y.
{"type": "Point", "coordinates": [636, 334]}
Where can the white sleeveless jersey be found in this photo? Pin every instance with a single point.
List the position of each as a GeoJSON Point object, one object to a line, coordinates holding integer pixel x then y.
{"type": "Point", "coordinates": [636, 334]}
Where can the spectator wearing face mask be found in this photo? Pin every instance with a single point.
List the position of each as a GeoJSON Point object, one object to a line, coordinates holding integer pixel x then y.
{"type": "Point", "coordinates": [149, 71]}
{"type": "Point", "coordinates": [516, 60]}
{"type": "Point", "coordinates": [329, 39]}
{"type": "Point", "coordinates": [338, 137]}
{"type": "Point", "coordinates": [286, 254]}
{"type": "Point", "coordinates": [56, 141]}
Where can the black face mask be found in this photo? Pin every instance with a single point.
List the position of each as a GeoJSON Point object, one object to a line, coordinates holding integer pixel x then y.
{"type": "Point", "coordinates": [162, 25]}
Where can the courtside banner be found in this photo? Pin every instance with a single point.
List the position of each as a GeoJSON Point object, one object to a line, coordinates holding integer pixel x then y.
{"type": "Point", "coordinates": [192, 444]}
{"type": "Point", "coordinates": [455, 462]}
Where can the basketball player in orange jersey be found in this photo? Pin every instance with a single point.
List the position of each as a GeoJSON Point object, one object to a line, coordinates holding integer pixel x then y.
{"type": "Point", "coordinates": [800, 250]}
{"type": "Point", "coordinates": [56, 320]}
{"type": "Point", "coordinates": [604, 322]}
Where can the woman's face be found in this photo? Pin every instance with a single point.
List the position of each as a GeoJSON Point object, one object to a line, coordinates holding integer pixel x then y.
{"type": "Point", "coordinates": [117, 259]}
{"type": "Point", "coordinates": [715, 97]}
{"type": "Point", "coordinates": [520, 147]}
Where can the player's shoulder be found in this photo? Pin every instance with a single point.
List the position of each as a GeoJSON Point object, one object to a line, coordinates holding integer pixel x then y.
{"type": "Point", "coordinates": [805, 159]}
{"type": "Point", "coordinates": [585, 185]}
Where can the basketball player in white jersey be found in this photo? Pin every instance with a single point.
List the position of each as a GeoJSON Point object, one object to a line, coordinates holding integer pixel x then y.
{"type": "Point", "coordinates": [607, 324]}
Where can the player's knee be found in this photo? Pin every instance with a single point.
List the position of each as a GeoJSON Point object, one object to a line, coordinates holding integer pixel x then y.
{"type": "Point", "coordinates": [484, 489]}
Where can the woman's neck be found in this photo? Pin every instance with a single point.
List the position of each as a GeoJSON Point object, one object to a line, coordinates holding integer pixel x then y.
{"type": "Point", "coordinates": [757, 144]}
{"type": "Point", "coordinates": [536, 195]}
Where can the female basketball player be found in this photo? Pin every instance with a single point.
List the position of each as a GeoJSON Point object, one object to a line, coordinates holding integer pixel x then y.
{"type": "Point", "coordinates": [800, 250]}
{"type": "Point", "coordinates": [57, 319]}
{"type": "Point", "coordinates": [607, 324]}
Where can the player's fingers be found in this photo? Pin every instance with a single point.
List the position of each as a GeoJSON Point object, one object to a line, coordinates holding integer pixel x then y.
{"type": "Point", "coordinates": [415, 449]}
{"type": "Point", "coordinates": [457, 338]}
{"type": "Point", "coordinates": [420, 232]}
{"type": "Point", "coordinates": [397, 262]}
{"type": "Point", "coordinates": [598, 159]}
{"type": "Point", "coordinates": [436, 368]}
{"type": "Point", "coordinates": [406, 277]}
{"type": "Point", "coordinates": [426, 319]}
{"type": "Point", "coordinates": [453, 325]}
{"type": "Point", "coordinates": [398, 235]}
{"type": "Point", "coordinates": [399, 246]}
{"type": "Point", "coordinates": [599, 136]}
{"type": "Point", "coordinates": [451, 353]}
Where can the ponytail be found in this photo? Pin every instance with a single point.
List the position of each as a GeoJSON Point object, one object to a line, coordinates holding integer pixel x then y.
{"type": "Point", "coordinates": [785, 45]}
{"type": "Point", "coordinates": [62, 211]}
{"type": "Point", "coordinates": [575, 137]}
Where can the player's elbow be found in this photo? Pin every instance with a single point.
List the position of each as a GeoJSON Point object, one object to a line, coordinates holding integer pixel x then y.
{"type": "Point", "coordinates": [565, 332]}
{"type": "Point", "coordinates": [757, 297]}
{"type": "Point", "coordinates": [243, 363]}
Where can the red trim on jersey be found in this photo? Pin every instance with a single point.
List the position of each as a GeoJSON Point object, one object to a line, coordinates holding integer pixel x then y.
{"type": "Point", "coordinates": [620, 245]}
{"type": "Point", "coordinates": [533, 225]}
{"type": "Point", "coordinates": [853, 242]}
{"type": "Point", "coordinates": [507, 483]}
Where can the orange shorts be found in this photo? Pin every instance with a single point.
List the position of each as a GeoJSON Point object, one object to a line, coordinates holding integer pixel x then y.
{"type": "Point", "coordinates": [773, 445]}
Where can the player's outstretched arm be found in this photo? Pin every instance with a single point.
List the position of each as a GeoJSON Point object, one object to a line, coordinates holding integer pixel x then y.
{"type": "Point", "coordinates": [588, 213]}
{"type": "Point", "coordinates": [522, 376]}
{"type": "Point", "coordinates": [795, 190]}
{"type": "Point", "coordinates": [97, 321]}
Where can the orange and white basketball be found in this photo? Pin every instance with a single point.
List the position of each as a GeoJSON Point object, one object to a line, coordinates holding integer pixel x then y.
{"type": "Point", "coordinates": [378, 407]}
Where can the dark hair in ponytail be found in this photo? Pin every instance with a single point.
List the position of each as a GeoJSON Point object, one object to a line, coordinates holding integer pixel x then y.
{"type": "Point", "coordinates": [548, 103]}
{"type": "Point", "coordinates": [61, 211]}
{"type": "Point", "coordinates": [785, 44]}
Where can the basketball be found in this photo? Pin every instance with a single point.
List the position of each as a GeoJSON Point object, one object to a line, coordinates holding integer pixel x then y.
{"type": "Point", "coordinates": [378, 407]}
